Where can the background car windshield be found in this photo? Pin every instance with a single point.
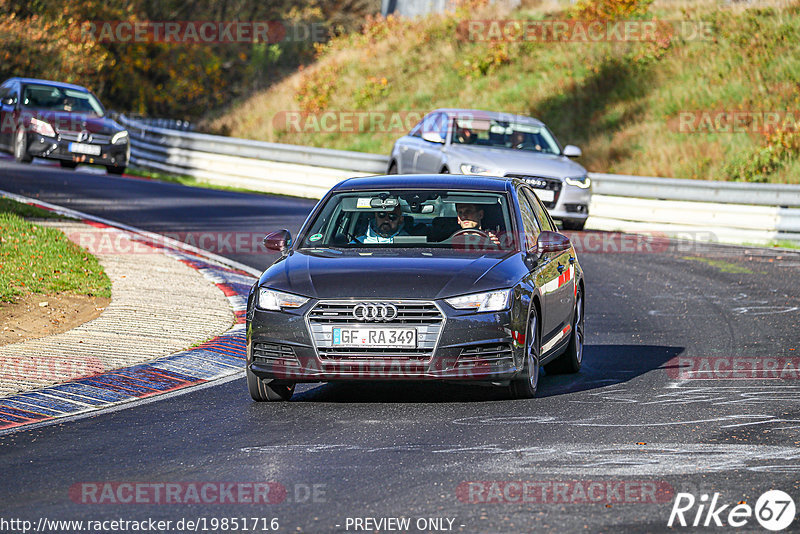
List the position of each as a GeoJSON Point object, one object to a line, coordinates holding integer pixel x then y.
{"type": "Point", "coordinates": [408, 218]}
{"type": "Point", "coordinates": [51, 98]}
{"type": "Point", "coordinates": [505, 134]}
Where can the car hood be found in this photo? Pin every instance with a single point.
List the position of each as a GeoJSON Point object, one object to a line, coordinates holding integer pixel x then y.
{"type": "Point", "coordinates": [75, 122]}
{"type": "Point", "coordinates": [508, 161]}
{"type": "Point", "coordinates": [329, 274]}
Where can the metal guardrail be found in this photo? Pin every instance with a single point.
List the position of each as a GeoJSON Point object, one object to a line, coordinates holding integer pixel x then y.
{"type": "Point", "coordinates": [727, 211]}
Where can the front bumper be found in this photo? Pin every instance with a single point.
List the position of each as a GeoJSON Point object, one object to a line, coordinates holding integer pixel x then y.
{"type": "Point", "coordinates": [478, 347]}
{"type": "Point", "coordinates": [40, 146]}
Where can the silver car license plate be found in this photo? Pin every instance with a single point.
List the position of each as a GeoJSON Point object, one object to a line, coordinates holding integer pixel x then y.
{"type": "Point", "coordinates": [545, 195]}
{"type": "Point", "coordinates": [389, 338]}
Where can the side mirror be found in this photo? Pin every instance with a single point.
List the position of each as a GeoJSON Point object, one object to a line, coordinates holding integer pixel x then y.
{"type": "Point", "coordinates": [278, 241]}
{"type": "Point", "coordinates": [433, 137]}
{"type": "Point", "coordinates": [552, 242]}
{"type": "Point", "coordinates": [8, 101]}
{"type": "Point", "coordinates": [571, 151]}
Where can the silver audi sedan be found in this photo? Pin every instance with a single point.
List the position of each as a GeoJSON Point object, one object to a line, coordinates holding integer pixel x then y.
{"type": "Point", "coordinates": [463, 141]}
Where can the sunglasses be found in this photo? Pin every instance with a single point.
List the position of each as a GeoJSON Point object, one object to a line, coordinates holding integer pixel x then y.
{"type": "Point", "coordinates": [390, 216]}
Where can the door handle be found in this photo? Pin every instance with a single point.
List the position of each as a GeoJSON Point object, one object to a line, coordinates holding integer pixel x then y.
{"type": "Point", "coordinates": [561, 268]}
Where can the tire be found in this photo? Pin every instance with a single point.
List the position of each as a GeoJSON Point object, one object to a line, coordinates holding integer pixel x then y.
{"type": "Point", "coordinates": [265, 389]}
{"type": "Point", "coordinates": [571, 360]}
{"type": "Point", "coordinates": [21, 146]}
{"type": "Point", "coordinates": [444, 170]}
{"type": "Point", "coordinates": [68, 164]}
{"type": "Point", "coordinates": [573, 225]}
{"type": "Point", "coordinates": [115, 170]}
{"type": "Point", "coordinates": [525, 386]}
{"type": "Point", "coordinates": [392, 168]}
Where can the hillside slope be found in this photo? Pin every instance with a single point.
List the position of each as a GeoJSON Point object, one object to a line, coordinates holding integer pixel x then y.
{"type": "Point", "coordinates": [660, 107]}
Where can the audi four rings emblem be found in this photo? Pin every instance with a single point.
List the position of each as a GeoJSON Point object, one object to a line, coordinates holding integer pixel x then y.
{"type": "Point", "coordinates": [375, 312]}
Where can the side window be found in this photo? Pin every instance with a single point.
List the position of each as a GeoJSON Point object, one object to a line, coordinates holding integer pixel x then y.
{"type": "Point", "coordinates": [434, 123]}
{"type": "Point", "coordinates": [529, 222]}
{"type": "Point", "coordinates": [541, 211]}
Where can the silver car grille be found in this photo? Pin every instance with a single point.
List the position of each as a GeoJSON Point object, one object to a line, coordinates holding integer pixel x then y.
{"type": "Point", "coordinates": [95, 138]}
{"type": "Point", "coordinates": [425, 316]}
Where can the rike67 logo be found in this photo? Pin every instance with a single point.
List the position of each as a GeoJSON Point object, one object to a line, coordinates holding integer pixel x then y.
{"type": "Point", "coordinates": [774, 510]}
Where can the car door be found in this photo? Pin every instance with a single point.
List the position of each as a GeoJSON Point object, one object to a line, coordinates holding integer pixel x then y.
{"type": "Point", "coordinates": [406, 150]}
{"type": "Point", "coordinates": [430, 155]}
{"type": "Point", "coordinates": [563, 300]}
{"type": "Point", "coordinates": [543, 272]}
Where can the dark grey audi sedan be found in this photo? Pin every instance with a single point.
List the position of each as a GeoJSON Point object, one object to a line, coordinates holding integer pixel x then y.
{"type": "Point", "coordinates": [418, 277]}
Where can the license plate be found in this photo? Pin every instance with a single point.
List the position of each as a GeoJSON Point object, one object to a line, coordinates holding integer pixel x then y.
{"type": "Point", "coordinates": [545, 195]}
{"type": "Point", "coordinates": [83, 148]}
{"type": "Point", "coordinates": [375, 337]}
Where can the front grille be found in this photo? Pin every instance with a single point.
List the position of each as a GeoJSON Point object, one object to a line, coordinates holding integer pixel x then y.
{"type": "Point", "coordinates": [275, 354]}
{"type": "Point", "coordinates": [422, 315]}
{"type": "Point", "coordinates": [95, 138]}
{"type": "Point", "coordinates": [542, 182]}
{"type": "Point", "coordinates": [495, 354]}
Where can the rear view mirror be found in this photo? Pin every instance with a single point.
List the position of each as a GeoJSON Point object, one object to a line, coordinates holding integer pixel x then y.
{"type": "Point", "coordinates": [552, 242]}
{"type": "Point", "coordinates": [571, 151]}
{"type": "Point", "coordinates": [432, 137]}
{"type": "Point", "coordinates": [278, 241]}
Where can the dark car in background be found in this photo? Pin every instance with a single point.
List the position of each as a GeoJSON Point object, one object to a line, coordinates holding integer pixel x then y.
{"type": "Point", "coordinates": [59, 121]}
{"type": "Point", "coordinates": [490, 143]}
{"type": "Point", "coordinates": [418, 277]}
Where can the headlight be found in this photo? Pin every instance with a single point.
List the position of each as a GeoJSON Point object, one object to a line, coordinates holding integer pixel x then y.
{"type": "Point", "coordinates": [580, 181]}
{"type": "Point", "coordinates": [119, 138]}
{"type": "Point", "coordinates": [42, 128]}
{"type": "Point", "coordinates": [269, 299]}
{"type": "Point", "coordinates": [482, 302]}
{"type": "Point", "coordinates": [468, 168]}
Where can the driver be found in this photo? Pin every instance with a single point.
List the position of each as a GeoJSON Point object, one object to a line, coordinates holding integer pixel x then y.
{"type": "Point", "coordinates": [465, 136]}
{"type": "Point", "coordinates": [384, 227]}
{"type": "Point", "coordinates": [470, 217]}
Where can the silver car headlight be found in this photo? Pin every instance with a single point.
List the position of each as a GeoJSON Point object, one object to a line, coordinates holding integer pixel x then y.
{"type": "Point", "coordinates": [580, 181]}
{"type": "Point", "coordinates": [490, 301]}
{"type": "Point", "coordinates": [469, 168]}
{"type": "Point", "coordinates": [119, 138]}
{"type": "Point", "coordinates": [269, 299]}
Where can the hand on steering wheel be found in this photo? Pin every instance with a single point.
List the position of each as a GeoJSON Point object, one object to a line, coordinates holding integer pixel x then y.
{"type": "Point", "coordinates": [465, 231]}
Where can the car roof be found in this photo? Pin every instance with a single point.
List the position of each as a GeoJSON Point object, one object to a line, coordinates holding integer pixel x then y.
{"type": "Point", "coordinates": [484, 114]}
{"type": "Point", "coordinates": [455, 182]}
{"type": "Point", "coordinates": [49, 82]}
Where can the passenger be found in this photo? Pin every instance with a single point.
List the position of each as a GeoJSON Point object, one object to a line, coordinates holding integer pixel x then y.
{"type": "Point", "coordinates": [383, 227]}
{"type": "Point", "coordinates": [470, 217]}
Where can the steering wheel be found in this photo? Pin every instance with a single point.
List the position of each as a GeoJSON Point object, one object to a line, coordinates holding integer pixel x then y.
{"type": "Point", "coordinates": [465, 231]}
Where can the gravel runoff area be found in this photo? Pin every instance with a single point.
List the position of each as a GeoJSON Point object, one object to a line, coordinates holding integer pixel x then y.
{"type": "Point", "coordinates": [159, 306]}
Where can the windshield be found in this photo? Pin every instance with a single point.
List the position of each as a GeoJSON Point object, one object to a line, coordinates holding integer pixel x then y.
{"type": "Point", "coordinates": [51, 98]}
{"type": "Point", "coordinates": [455, 220]}
{"type": "Point", "coordinates": [505, 134]}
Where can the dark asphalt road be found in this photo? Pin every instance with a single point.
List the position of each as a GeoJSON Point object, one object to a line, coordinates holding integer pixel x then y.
{"type": "Point", "coordinates": [627, 420]}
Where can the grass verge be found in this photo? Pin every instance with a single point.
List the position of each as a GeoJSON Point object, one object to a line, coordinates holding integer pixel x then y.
{"type": "Point", "coordinates": [35, 259]}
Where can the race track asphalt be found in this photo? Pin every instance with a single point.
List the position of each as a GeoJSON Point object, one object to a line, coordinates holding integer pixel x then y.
{"type": "Point", "coordinates": [605, 450]}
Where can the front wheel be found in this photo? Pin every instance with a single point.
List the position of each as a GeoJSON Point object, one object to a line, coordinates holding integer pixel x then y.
{"type": "Point", "coordinates": [21, 146]}
{"type": "Point", "coordinates": [570, 361]}
{"type": "Point", "coordinates": [392, 168]}
{"type": "Point", "coordinates": [525, 386]}
{"type": "Point", "coordinates": [265, 389]}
